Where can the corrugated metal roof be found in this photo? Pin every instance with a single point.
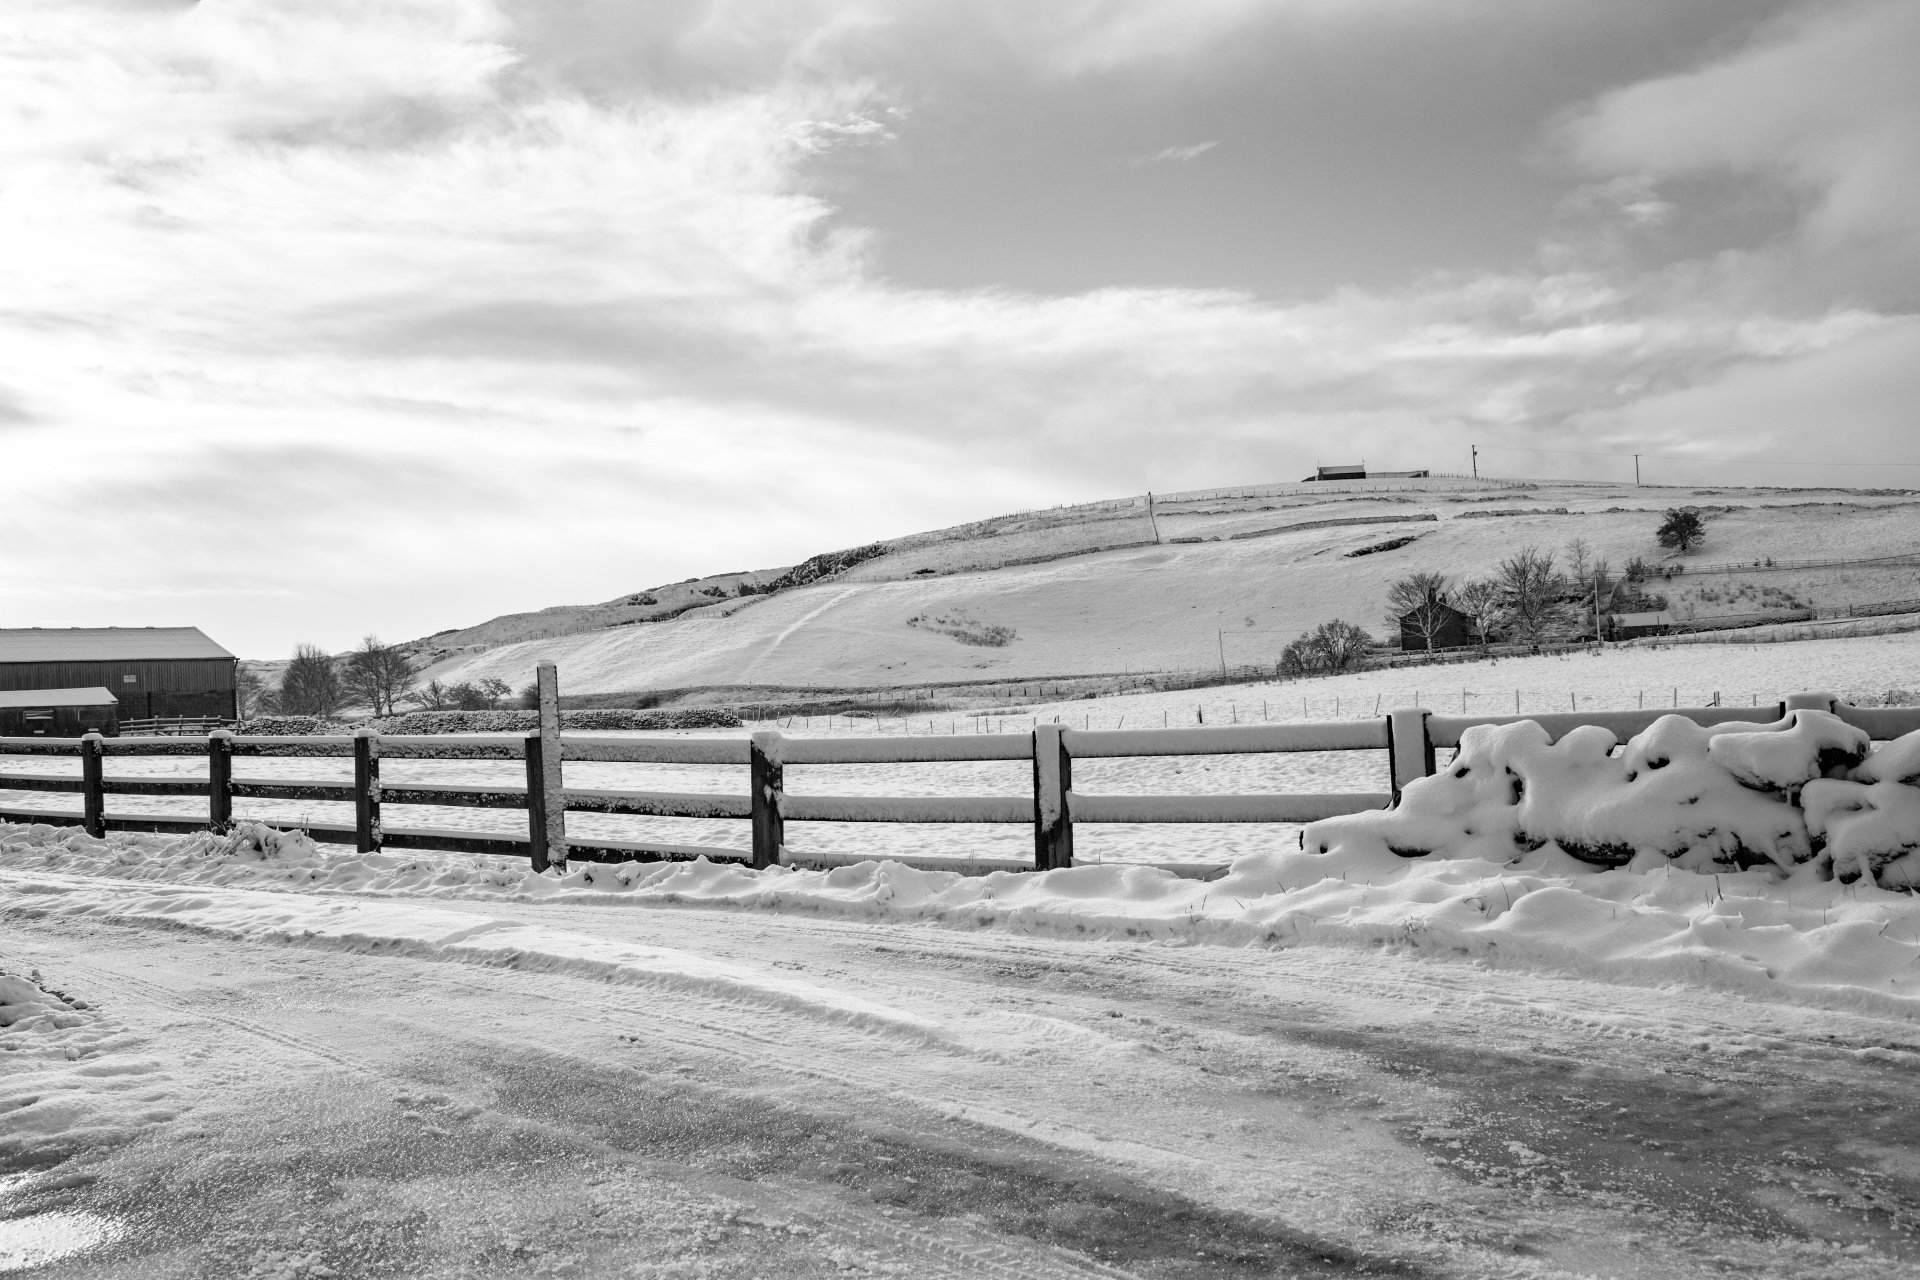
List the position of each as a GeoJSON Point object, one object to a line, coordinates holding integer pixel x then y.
{"type": "Point", "coordinates": [56, 698]}
{"type": "Point", "coordinates": [1662, 619]}
{"type": "Point", "coordinates": [105, 644]}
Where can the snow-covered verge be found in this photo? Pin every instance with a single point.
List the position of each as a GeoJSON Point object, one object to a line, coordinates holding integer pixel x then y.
{"type": "Point", "coordinates": [1795, 936]}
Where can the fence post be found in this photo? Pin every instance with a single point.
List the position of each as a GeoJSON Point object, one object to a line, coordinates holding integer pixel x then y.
{"type": "Point", "coordinates": [219, 781]}
{"type": "Point", "coordinates": [1052, 783]}
{"type": "Point", "coordinates": [1409, 749]}
{"type": "Point", "coordinates": [366, 790]}
{"type": "Point", "coordinates": [1810, 702]}
{"type": "Point", "coordinates": [766, 776]}
{"type": "Point", "coordinates": [94, 792]}
{"type": "Point", "coordinates": [536, 804]}
{"type": "Point", "coordinates": [553, 808]}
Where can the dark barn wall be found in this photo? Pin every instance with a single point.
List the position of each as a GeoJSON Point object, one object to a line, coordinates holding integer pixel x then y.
{"type": "Point", "coordinates": [160, 686]}
{"type": "Point", "coordinates": [1456, 632]}
{"type": "Point", "coordinates": [68, 722]}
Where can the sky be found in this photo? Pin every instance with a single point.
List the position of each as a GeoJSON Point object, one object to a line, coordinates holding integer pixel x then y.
{"type": "Point", "coordinates": [394, 315]}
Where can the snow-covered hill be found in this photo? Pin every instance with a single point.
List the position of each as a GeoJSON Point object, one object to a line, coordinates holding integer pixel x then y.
{"type": "Point", "coordinates": [1211, 579]}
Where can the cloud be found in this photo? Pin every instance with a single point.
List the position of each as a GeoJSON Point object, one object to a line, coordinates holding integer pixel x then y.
{"type": "Point", "coordinates": [410, 312]}
{"type": "Point", "coordinates": [1824, 101]}
{"type": "Point", "coordinates": [1176, 155]}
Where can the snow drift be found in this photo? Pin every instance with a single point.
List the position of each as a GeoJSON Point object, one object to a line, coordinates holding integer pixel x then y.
{"type": "Point", "coordinates": [1726, 798]}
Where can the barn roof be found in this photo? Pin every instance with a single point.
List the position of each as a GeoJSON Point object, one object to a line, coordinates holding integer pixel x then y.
{"type": "Point", "coordinates": [105, 644]}
{"type": "Point", "coordinates": [57, 698]}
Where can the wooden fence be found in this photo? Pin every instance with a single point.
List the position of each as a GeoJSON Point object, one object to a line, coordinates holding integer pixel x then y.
{"type": "Point", "coordinates": [1052, 808]}
{"type": "Point", "coordinates": [175, 726]}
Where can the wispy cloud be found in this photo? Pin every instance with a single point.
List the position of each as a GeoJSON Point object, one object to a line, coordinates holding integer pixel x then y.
{"type": "Point", "coordinates": [1175, 155]}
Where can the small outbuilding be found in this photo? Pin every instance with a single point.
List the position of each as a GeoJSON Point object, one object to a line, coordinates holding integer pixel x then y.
{"type": "Point", "coordinates": [58, 713]}
{"type": "Point", "coordinates": [1451, 629]}
{"type": "Point", "coordinates": [1628, 626]}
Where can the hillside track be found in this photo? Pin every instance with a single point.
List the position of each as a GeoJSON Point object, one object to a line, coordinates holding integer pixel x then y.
{"type": "Point", "coordinates": [1087, 1107]}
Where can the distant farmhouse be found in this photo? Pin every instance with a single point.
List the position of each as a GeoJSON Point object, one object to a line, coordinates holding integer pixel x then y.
{"type": "Point", "coordinates": [1358, 471]}
{"type": "Point", "coordinates": [64, 681]}
{"type": "Point", "coordinates": [1455, 630]}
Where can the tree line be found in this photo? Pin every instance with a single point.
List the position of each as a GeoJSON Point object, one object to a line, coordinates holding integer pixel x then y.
{"type": "Point", "coordinates": [1532, 597]}
{"type": "Point", "coordinates": [373, 674]}
{"type": "Point", "coordinates": [1529, 598]}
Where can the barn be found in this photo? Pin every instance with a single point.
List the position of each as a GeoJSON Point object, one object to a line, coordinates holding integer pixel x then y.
{"type": "Point", "coordinates": [150, 671]}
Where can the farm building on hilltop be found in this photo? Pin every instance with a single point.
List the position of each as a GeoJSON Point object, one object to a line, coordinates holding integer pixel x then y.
{"type": "Point", "coordinates": [1358, 471]}
{"type": "Point", "coordinates": [58, 713]}
{"type": "Point", "coordinates": [150, 671]}
{"type": "Point", "coordinates": [1455, 629]}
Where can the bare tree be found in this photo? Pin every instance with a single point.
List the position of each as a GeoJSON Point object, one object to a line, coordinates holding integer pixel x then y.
{"type": "Point", "coordinates": [251, 695]}
{"type": "Point", "coordinates": [311, 685]}
{"type": "Point", "coordinates": [1579, 559]}
{"type": "Point", "coordinates": [1329, 648]}
{"type": "Point", "coordinates": [433, 696]}
{"type": "Point", "coordinates": [1532, 595]}
{"type": "Point", "coordinates": [1341, 645]}
{"type": "Point", "coordinates": [1418, 603]}
{"type": "Point", "coordinates": [1479, 600]}
{"type": "Point", "coordinates": [378, 673]}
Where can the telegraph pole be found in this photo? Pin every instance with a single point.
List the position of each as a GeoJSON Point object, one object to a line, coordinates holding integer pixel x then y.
{"type": "Point", "coordinates": [1636, 471]}
{"type": "Point", "coordinates": [1476, 462]}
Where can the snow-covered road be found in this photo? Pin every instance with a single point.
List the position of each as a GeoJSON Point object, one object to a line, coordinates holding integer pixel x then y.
{"type": "Point", "coordinates": [627, 1089]}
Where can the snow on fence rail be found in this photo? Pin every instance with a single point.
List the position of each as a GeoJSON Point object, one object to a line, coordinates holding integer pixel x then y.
{"type": "Point", "coordinates": [1409, 736]}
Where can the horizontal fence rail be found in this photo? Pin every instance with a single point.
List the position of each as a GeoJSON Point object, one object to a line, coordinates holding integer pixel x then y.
{"type": "Point", "coordinates": [1409, 737]}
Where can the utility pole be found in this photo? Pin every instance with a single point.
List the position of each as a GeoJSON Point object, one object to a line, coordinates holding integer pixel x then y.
{"type": "Point", "coordinates": [1598, 638]}
{"type": "Point", "coordinates": [1636, 471]}
{"type": "Point", "coordinates": [1220, 635]}
{"type": "Point", "coordinates": [1476, 462]}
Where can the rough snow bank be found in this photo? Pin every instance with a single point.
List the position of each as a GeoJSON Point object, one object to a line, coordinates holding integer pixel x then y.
{"type": "Point", "coordinates": [73, 1078]}
{"type": "Point", "coordinates": [1797, 936]}
{"type": "Point", "coordinates": [1707, 799]}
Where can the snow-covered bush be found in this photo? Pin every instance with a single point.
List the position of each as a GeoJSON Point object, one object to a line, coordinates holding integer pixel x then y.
{"type": "Point", "coordinates": [1729, 796]}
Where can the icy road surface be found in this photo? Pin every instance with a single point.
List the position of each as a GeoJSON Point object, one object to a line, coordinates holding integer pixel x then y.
{"type": "Point", "coordinates": [798, 1097]}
